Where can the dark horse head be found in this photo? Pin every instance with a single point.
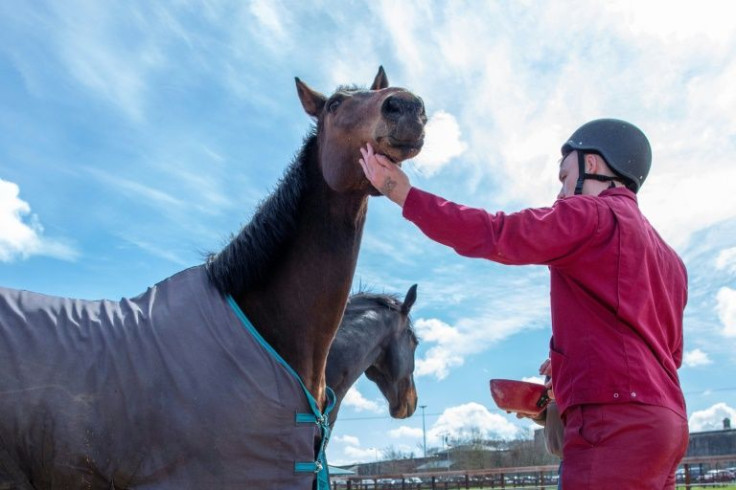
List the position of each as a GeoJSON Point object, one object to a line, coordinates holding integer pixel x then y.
{"type": "Point", "coordinates": [291, 267]}
{"type": "Point", "coordinates": [392, 119]}
{"type": "Point", "coordinates": [376, 338]}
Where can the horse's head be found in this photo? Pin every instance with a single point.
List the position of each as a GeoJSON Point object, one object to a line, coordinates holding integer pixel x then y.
{"type": "Point", "coordinates": [391, 119]}
{"type": "Point", "coordinates": [394, 371]}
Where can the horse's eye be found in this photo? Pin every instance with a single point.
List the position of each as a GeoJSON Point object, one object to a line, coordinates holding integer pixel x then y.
{"type": "Point", "coordinates": [334, 104]}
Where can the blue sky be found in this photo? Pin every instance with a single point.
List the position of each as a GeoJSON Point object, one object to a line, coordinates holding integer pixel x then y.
{"type": "Point", "coordinates": [137, 136]}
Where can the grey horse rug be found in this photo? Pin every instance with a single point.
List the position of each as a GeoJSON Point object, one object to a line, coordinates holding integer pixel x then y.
{"type": "Point", "coordinates": [172, 389]}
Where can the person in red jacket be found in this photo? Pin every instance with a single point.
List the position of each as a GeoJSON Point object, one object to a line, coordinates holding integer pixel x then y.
{"type": "Point", "coordinates": [617, 293]}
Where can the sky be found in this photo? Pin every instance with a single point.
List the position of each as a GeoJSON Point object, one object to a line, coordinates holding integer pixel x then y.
{"type": "Point", "coordinates": [135, 137]}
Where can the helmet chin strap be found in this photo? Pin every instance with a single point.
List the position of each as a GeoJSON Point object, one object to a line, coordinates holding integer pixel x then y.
{"type": "Point", "coordinates": [583, 176]}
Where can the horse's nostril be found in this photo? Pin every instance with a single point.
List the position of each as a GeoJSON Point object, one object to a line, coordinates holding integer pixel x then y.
{"type": "Point", "coordinates": [398, 105]}
{"type": "Point", "coordinates": [392, 107]}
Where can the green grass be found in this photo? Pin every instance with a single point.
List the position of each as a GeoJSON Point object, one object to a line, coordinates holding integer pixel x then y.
{"type": "Point", "coordinates": [718, 486]}
{"type": "Point", "coordinates": [679, 487]}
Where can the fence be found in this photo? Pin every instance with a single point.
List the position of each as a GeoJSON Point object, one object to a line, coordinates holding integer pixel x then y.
{"type": "Point", "coordinates": [694, 471]}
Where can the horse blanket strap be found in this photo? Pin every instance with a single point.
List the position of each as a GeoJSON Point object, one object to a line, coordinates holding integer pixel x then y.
{"type": "Point", "coordinates": [315, 417]}
{"type": "Point", "coordinates": [319, 466]}
{"type": "Point", "coordinates": [164, 390]}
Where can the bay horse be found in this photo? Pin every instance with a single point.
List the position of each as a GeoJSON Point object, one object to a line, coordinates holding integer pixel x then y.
{"type": "Point", "coordinates": [376, 338]}
{"type": "Point", "coordinates": [215, 376]}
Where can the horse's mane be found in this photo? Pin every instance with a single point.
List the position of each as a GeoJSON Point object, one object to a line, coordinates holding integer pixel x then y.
{"type": "Point", "coordinates": [365, 300]}
{"type": "Point", "coordinates": [246, 261]}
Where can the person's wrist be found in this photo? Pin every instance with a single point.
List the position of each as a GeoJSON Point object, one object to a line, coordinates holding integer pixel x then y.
{"type": "Point", "coordinates": [400, 194]}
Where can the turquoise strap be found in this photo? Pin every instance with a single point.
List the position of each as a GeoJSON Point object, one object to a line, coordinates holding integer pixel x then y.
{"type": "Point", "coordinates": [307, 467]}
{"type": "Point", "coordinates": [306, 418]}
{"type": "Point", "coordinates": [321, 419]}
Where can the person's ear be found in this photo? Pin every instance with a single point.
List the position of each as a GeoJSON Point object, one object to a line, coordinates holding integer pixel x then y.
{"type": "Point", "coordinates": [592, 163]}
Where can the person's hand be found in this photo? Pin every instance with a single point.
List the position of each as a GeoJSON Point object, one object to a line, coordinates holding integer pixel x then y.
{"type": "Point", "coordinates": [546, 370]}
{"type": "Point", "coordinates": [537, 419]}
{"type": "Point", "coordinates": [385, 175]}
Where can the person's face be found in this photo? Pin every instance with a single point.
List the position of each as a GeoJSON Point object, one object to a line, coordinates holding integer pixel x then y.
{"type": "Point", "coordinates": [568, 174]}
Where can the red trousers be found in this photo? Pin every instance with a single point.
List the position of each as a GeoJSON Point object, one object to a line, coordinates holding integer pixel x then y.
{"type": "Point", "coordinates": [626, 446]}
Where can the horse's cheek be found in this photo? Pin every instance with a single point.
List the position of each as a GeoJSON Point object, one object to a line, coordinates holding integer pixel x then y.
{"type": "Point", "coordinates": [380, 129]}
{"type": "Point", "coordinates": [339, 171]}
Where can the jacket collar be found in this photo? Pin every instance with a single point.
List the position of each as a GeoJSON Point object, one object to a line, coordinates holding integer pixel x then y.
{"type": "Point", "coordinates": [619, 191]}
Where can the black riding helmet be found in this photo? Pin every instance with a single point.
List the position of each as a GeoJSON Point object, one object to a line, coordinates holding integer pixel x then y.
{"type": "Point", "coordinates": [622, 145]}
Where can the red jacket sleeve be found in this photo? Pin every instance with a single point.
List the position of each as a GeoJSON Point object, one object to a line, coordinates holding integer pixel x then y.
{"type": "Point", "coordinates": [532, 236]}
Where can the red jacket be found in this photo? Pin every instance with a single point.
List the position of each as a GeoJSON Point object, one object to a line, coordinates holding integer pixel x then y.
{"type": "Point", "coordinates": [618, 291]}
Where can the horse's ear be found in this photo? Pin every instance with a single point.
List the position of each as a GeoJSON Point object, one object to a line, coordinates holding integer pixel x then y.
{"type": "Point", "coordinates": [411, 297]}
{"type": "Point", "coordinates": [312, 101]}
{"type": "Point", "coordinates": [381, 80]}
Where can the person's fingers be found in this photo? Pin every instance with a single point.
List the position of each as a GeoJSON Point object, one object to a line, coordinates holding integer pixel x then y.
{"type": "Point", "coordinates": [366, 170]}
{"type": "Point", "coordinates": [383, 161]}
{"type": "Point", "coordinates": [546, 367]}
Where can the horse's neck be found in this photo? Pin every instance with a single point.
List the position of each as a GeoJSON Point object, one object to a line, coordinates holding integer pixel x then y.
{"type": "Point", "coordinates": [300, 307]}
{"type": "Point", "coordinates": [358, 345]}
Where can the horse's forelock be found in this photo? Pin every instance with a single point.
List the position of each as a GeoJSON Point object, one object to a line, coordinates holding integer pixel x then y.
{"type": "Point", "coordinates": [364, 300]}
{"type": "Point", "coordinates": [368, 299]}
{"type": "Point", "coordinates": [350, 88]}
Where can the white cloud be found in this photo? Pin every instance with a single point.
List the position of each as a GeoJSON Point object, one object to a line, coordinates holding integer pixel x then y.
{"type": "Point", "coordinates": [727, 260]}
{"type": "Point", "coordinates": [463, 421]}
{"type": "Point", "coordinates": [671, 21]}
{"type": "Point", "coordinates": [113, 59]}
{"type": "Point", "coordinates": [453, 344]}
{"type": "Point", "coordinates": [696, 357]}
{"type": "Point", "coordinates": [157, 251]}
{"type": "Point", "coordinates": [354, 453]}
{"type": "Point", "coordinates": [442, 143]}
{"type": "Point", "coordinates": [438, 359]}
{"type": "Point", "coordinates": [353, 398]}
{"type": "Point", "coordinates": [459, 422]}
{"type": "Point", "coordinates": [710, 197]}
{"type": "Point", "coordinates": [403, 21]}
{"type": "Point", "coordinates": [726, 308]}
{"type": "Point", "coordinates": [346, 439]}
{"type": "Point", "coordinates": [515, 99]}
{"type": "Point", "coordinates": [711, 418]}
{"type": "Point", "coordinates": [347, 449]}
{"type": "Point", "coordinates": [271, 26]}
{"type": "Point", "coordinates": [405, 432]}
{"type": "Point", "coordinates": [22, 232]}
{"type": "Point", "coordinates": [136, 190]}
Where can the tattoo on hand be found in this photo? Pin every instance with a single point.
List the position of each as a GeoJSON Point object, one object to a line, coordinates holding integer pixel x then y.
{"type": "Point", "coordinates": [388, 186]}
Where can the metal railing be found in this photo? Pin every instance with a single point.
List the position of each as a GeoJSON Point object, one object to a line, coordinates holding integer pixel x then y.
{"type": "Point", "coordinates": [693, 473]}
